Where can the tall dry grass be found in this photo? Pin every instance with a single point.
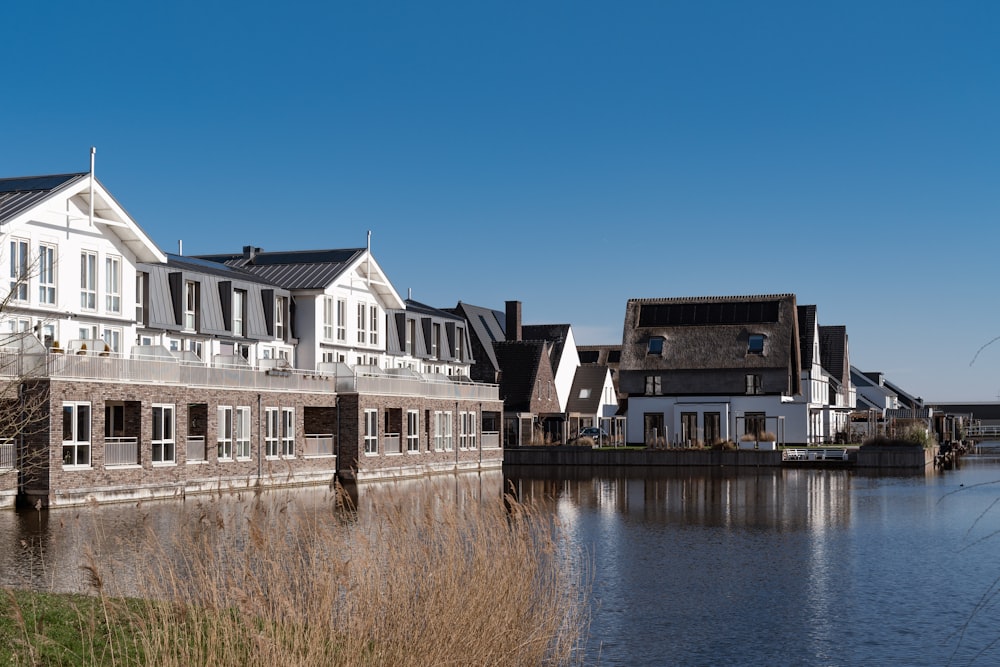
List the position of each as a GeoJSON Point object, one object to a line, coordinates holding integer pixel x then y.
{"type": "Point", "coordinates": [417, 582]}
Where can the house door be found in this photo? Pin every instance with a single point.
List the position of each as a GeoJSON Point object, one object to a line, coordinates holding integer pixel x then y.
{"type": "Point", "coordinates": [653, 432]}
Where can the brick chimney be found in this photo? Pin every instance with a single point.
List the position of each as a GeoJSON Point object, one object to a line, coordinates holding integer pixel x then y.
{"type": "Point", "coordinates": [514, 320]}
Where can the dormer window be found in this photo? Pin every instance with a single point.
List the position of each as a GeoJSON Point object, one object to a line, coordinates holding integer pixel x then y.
{"type": "Point", "coordinates": [655, 345]}
{"type": "Point", "coordinates": [756, 344]}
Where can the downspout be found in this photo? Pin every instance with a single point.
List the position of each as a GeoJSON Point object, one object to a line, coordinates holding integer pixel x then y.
{"type": "Point", "coordinates": [336, 463]}
{"type": "Point", "coordinates": [453, 443]}
{"type": "Point", "coordinates": [479, 441]}
{"type": "Point", "coordinates": [260, 440]}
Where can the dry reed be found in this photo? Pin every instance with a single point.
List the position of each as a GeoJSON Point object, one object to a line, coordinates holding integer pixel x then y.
{"type": "Point", "coordinates": [428, 580]}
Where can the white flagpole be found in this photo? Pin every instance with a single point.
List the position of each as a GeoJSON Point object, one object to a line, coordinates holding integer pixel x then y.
{"type": "Point", "coordinates": [93, 150]}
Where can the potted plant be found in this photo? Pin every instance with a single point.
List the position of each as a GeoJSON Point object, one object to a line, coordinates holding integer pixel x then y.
{"type": "Point", "coordinates": [767, 441]}
{"type": "Point", "coordinates": [748, 441]}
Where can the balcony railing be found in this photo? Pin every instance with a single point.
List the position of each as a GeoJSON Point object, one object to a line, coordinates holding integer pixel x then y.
{"type": "Point", "coordinates": [115, 368]}
{"type": "Point", "coordinates": [6, 454]}
{"type": "Point", "coordinates": [121, 451]}
{"type": "Point", "coordinates": [319, 445]}
{"type": "Point", "coordinates": [491, 439]}
{"type": "Point", "coordinates": [196, 448]}
{"type": "Point", "coordinates": [391, 443]}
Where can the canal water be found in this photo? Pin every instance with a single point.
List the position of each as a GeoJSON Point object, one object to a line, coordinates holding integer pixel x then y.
{"type": "Point", "coordinates": [704, 566]}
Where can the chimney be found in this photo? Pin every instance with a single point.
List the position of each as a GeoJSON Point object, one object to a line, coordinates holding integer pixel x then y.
{"type": "Point", "coordinates": [514, 320]}
{"type": "Point", "coordinates": [250, 252]}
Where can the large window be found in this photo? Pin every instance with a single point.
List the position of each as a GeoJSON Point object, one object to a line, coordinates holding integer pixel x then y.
{"type": "Point", "coordinates": [113, 284]}
{"type": "Point", "coordinates": [272, 429]}
{"type": "Point", "coordinates": [362, 323]}
{"type": "Point", "coordinates": [341, 320]}
{"type": "Point", "coordinates": [164, 450]}
{"type": "Point", "coordinates": [412, 431]}
{"type": "Point", "coordinates": [140, 297]}
{"type": "Point", "coordinates": [467, 430]}
{"type": "Point", "coordinates": [443, 431]}
{"type": "Point", "coordinates": [113, 339]}
{"type": "Point", "coordinates": [76, 434]}
{"type": "Point", "coordinates": [435, 340]}
{"type": "Point", "coordinates": [654, 385]}
{"type": "Point", "coordinates": [373, 325]}
{"type": "Point", "coordinates": [280, 305]}
{"type": "Point", "coordinates": [242, 432]}
{"type": "Point", "coordinates": [755, 424]}
{"type": "Point", "coordinates": [19, 270]}
{"type": "Point", "coordinates": [288, 431]}
{"type": "Point", "coordinates": [239, 312]}
{"type": "Point", "coordinates": [460, 343]}
{"type": "Point", "coordinates": [191, 305]}
{"type": "Point", "coordinates": [225, 433]}
{"type": "Point", "coordinates": [713, 423]}
{"type": "Point", "coordinates": [327, 318]}
{"type": "Point", "coordinates": [371, 431]}
{"type": "Point", "coordinates": [46, 275]}
{"type": "Point", "coordinates": [411, 336]}
{"type": "Point", "coordinates": [88, 280]}
{"type": "Point", "coordinates": [753, 384]}
{"type": "Point", "coordinates": [689, 428]}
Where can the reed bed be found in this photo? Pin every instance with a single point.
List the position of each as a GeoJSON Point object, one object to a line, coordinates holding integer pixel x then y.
{"type": "Point", "coordinates": [422, 580]}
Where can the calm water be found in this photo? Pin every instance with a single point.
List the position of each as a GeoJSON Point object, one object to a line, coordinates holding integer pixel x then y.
{"type": "Point", "coordinates": [703, 567]}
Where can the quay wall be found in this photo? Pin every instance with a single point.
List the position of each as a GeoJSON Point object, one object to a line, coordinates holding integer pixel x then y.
{"type": "Point", "coordinates": [587, 456]}
{"type": "Point", "coordinates": [894, 457]}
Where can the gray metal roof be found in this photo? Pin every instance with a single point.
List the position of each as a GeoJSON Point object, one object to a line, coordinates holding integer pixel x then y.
{"type": "Point", "coordinates": [19, 194]}
{"type": "Point", "coordinates": [587, 377]}
{"type": "Point", "coordinates": [300, 269]}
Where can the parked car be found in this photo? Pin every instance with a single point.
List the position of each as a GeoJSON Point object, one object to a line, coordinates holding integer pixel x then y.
{"type": "Point", "coordinates": [594, 432]}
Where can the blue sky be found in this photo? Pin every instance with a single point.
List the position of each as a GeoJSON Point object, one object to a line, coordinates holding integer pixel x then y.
{"type": "Point", "coordinates": [570, 155]}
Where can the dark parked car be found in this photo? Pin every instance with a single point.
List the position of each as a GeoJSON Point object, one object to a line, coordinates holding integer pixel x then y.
{"type": "Point", "coordinates": [594, 432]}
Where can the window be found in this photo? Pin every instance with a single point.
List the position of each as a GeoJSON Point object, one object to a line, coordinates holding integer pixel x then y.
{"type": "Point", "coordinates": [280, 303]}
{"type": "Point", "coordinates": [288, 431]}
{"type": "Point", "coordinates": [140, 297]}
{"type": "Point", "coordinates": [653, 385]}
{"type": "Point", "coordinates": [242, 432]}
{"type": "Point", "coordinates": [467, 430]}
{"type": "Point", "coordinates": [76, 434]}
{"type": "Point", "coordinates": [435, 340]}
{"type": "Point", "coordinates": [412, 431]}
{"type": "Point", "coordinates": [373, 322]}
{"type": "Point", "coordinates": [362, 321]}
{"type": "Point", "coordinates": [341, 320]}
{"type": "Point", "coordinates": [442, 431]}
{"type": "Point", "coordinates": [239, 312]}
{"type": "Point", "coordinates": [114, 420]}
{"type": "Point", "coordinates": [225, 433]}
{"type": "Point", "coordinates": [113, 339]}
{"type": "Point", "coordinates": [18, 270]}
{"type": "Point", "coordinates": [163, 434]}
{"type": "Point", "coordinates": [271, 431]}
{"type": "Point", "coordinates": [411, 335]}
{"type": "Point", "coordinates": [327, 318]}
{"type": "Point", "coordinates": [713, 423]}
{"type": "Point", "coordinates": [190, 305]}
{"type": "Point", "coordinates": [754, 424]}
{"type": "Point", "coordinates": [113, 284]}
{"type": "Point", "coordinates": [655, 345]}
{"type": "Point", "coordinates": [585, 393]}
{"type": "Point", "coordinates": [756, 344]}
{"type": "Point", "coordinates": [689, 428]}
{"type": "Point", "coordinates": [88, 280]}
{"type": "Point", "coordinates": [46, 275]}
{"type": "Point", "coordinates": [371, 431]}
{"type": "Point", "coordinates": [460, 343]}
{"type": "Point", "coordinates": [753, 385]}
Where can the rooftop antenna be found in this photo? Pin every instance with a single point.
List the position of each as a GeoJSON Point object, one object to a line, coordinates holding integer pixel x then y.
{"type": "Point", "coordinates": [93, 151]}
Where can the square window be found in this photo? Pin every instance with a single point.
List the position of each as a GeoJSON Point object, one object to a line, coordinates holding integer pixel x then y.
{"type": "Point", "coordinates": [655, 345]}
{"type": "Point", "coordinates": [756, 344]}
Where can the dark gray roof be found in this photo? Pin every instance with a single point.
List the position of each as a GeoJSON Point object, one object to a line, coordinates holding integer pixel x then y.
{"type": "Point", "coordinates": [587, 377]}
{"type": "Point", "coordinates": [520, 364]}
{"type": "Point", "coordinates": [423, 309]}
{"type": "Point", "coordinates": [207, 267]}
{"type": "Point", "coordinates": [297, 269]}
{"type": "Point", "coordinates": [833, 351]}
{"type": "Point", "coordinates": [486, 325]}
{"type": "Point", "coordinates": [557, 334]}
{"type": "Point", "coordinates": [20, 194]}
{"type": "Point", "coordinates": [807, 329]}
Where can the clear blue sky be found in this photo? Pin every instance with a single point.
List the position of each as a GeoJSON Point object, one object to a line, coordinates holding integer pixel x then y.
{"type": "Point", "coordinates": [570, 155]}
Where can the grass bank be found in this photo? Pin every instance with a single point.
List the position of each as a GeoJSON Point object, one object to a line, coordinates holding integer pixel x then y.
{"type": "Point", "coordinates": [427, 581]}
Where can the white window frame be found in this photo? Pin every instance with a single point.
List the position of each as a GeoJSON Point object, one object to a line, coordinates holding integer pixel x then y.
{"type": "Point", "coordinates": [112, 337]}
{"type": "Point", "coordinates": [224, 433]}
{"type": "Point", "coordinates": [279, 317]}
{"type": "Point", "coordinates": [467, 430]}
{"type": "Point", "coordinates": [435, 340]}
{"type": "Point", "coordinates": [242, 432]}
{"type": "Point", "coordinates": [328, 318]}
{"type": "Point", "coordinates": [341, 320]}
{"type": "Point", "coordinates": [191, 305]}
{"type": "Point", "coordinates": [362, 323]}
{"type": "Point", "coordinates": [371, 432]}
{"type": "Point", "coordinates": [412, 431]}
{"type": "Point", "coordinates": [272, 428]}
{"type": "Point", "coordinates": [112, 284]}
{"type": "Point", "coordinates": [140, 296]}
{"type": "Point", "coordinates": [239, 312]}
{"type": "Point", "coordinates": [77, 445]}
{"type": "Point", "coordinates": [164, 443]}
{"type": "Point", "coordinates": [373, 317]}
{"type": "Point", "coordinates": [288, 433]}
{"type": "Point", "coordinates": [19, 265]}
{"type": "Point", "coordinates": [46, 274]}
{"type": "Point", "coordinates": [88, 280]}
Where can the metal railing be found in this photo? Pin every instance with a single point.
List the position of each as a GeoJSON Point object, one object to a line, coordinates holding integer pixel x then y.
{"type": "Point", "coordinates": [491, 439]}
{"type": "Point", "coordinates": [115, 368]}
{"type": "Point", "coordinates": [319, 445]}
{"type": "Point", "coordinates": [121, 451]}
{"type": "Point", "coordinates": [814, 455]}
{"type": "Point", "coordinates": [6, 454]}
{"type": "Point", "coordinates": [391, 443]}
{"type": "Point", "coordinates": [196, 448]}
